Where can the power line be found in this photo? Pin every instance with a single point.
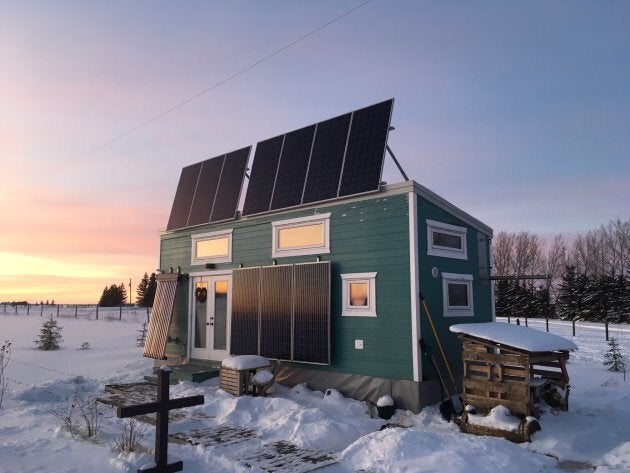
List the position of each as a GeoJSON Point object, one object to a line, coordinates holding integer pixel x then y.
{"type": "Point", "coordinates": [199, 94]}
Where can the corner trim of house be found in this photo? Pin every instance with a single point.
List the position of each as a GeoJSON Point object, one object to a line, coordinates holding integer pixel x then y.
{"type": "Point", "coordinates": [413, 279]}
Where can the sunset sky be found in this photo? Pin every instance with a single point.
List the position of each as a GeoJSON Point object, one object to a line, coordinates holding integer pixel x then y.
{"type": "Point", "coordinates": [517, 112]}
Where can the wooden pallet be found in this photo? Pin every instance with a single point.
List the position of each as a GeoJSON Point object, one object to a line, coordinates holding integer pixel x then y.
{"type": "Point", "coordinates": [221, 435]}
{"type": "Point", "coordinates": [284, 457]}
{"type": "Point", "coordinates": [235, 382]}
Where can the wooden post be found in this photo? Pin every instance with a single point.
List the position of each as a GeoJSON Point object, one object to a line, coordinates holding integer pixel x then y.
{"type": "Point", "coordinates": [42, 311]}
{"type": "Point", "coordinates": [28, 309]}
{"type": "Point", "coordinates": [15, 309]}
{"type": "Point", "coordinates": [606, 326]}
{"type": "Point", "coordinates": [76, 311]}
{"type": "Point", "coordinates": [96, 311]}
{"type": "Point", "coordinates": [57, 310]}
{"type": "Point", "coordinates": [120, 314]}
{"type": "Point", "coordinates": [147, 314]}
{"type": "Point", "coordinates": [547, 323]}
{"type": "Point", "coordinates": [161, 407]}
{"type": "Point", "coordinates": [526, 322]}
{"type": "Point", "coordinates": [574, 327]}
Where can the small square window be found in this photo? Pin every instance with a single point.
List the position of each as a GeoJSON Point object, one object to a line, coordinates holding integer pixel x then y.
{"type": "Point", "coordinates": [301, 236]}
{"type": "Point", "coordinates": [458, 295]}
{"type": "Point", "coordinates": [446, 240]}
{"type": "Point", "coordinates": [359, 294]}
{"type": "Point", "coordinates": [213, 247]}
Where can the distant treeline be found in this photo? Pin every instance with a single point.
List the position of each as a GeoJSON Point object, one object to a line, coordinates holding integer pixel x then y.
{"type": "Point", "coordinates": [588, 279]}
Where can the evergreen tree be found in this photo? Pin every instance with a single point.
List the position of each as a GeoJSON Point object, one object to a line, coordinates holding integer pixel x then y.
{"type": "Point", "coordinates": [613, 357]}
{"type": "Point", "coordinates": [49, 335]}
{"type": "Point", "coordinates": [146, 290]}
{"type": "Point", "coordinates": [113, 296]}
{"type": "Point", "coordinates": [566, 303]}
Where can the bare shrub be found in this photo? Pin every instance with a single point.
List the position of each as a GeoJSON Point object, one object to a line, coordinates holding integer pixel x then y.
{"type": "Point", "coordinates": [128, 440]}
{"type": "Point", "coordinates": [5, 357]}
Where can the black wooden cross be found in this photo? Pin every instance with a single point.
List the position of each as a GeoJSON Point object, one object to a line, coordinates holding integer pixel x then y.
{"type": "Point", "coordinates": [161, 408]}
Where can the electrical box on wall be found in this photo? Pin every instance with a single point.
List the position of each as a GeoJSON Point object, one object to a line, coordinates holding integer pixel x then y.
{"type": "Point", "coordinates": [358, 344]}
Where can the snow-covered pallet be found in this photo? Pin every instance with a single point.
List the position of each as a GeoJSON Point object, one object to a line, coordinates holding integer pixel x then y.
{"type": "Point", "coordinates": [284, 457]}
{"type": "Point", "coordinates": [129, 394]}
{"type": "Point", "coordinates": [208, 437]}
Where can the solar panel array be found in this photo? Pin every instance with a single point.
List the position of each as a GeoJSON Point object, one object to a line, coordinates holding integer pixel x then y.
{"type": "Point", "coordinates": [209, 191]}
{"type": "Point", "coordinates": [282, 312]}
{"type": "Point", "coordinates": [336, 158]}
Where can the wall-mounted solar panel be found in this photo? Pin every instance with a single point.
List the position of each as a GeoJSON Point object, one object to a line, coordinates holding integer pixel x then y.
{"type": "Point", "coordinates": [245, 311]}
{"type": "Point", "coordinates": [276, 311]}
{"type": "Point", "coordinates": [184, 196]}
{"type": "Point", "coordinates": [230, 185]}
{"type": "Point", "coordinates": [324, 171]}
{"type": "Point", "coordinates": [292, 168]}
{"type": "Point", "coordinates": [311, 339]}
{"type": "Point", "coordinates": [206, 191]}
{"type": "Point", "coordinates": [363, 162]}
{"type": "Point", "coordinates": [263, 176]}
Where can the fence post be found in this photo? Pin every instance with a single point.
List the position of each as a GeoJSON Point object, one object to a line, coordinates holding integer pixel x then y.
{"type": "Point", "coordinates": [606, 325]}
{"type": "Point", "coordinates": [120, 314]}
{"type": "Point", "coordinates": [96, 311]}
{"type": "Point", "coordinates": [76, 311]}
{"type": "Point", "coordinates": [574, 327]}
{"type": "Point", "coordinates": [28, 309]}
{"type": "Point", "coordinates": [547, 323]}
{"type": "Point", "coordinates": [15, 309]}
{"type": "Point", "coordinates": [42, 312]}
{"type": "Point", "coordinates": [147, 314]}
{"type": "Point", "coordinates": [57, 310]}
{"type": "Point", "coordinates": [526, 322]}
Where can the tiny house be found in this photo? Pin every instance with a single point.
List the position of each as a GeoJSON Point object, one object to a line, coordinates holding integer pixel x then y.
{"type": "Point", "coordinates": [321, 267]}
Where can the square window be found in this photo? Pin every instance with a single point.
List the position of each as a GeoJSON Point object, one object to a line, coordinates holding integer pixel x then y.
{"type": "Point", "coordinates": [446, 240]}
{"type": "Point", "coordinates": [359, 294]}
{"type": "Point", "coordinates": [458, 296]}
{"type": "Point", "coordinates": [301, 236]}
{"type": "Point", "coordinates": [213, 247]}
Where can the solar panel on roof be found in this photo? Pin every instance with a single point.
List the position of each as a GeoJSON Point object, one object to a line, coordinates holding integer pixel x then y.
{"type": "Point", "coordinates": [363, 162]}
{"type": "Point", "coordinates": [230, 184]}
{"type": "Point", "coordinates": [324, 171]}
{"type": "Point", "coordinates": [184, 196]}
{"type": "Point", "coordinates": [263, 176]}
{"type": "Point", "coordinates": [205, 193]}
{"type": "Point", "coordinates": [292, 168]}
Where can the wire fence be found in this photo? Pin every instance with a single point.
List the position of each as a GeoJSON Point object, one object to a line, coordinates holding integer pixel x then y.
{"type": "Point", "coordinates": [573, 328]}
{"type": "Point", "coordinates": [83, 311]}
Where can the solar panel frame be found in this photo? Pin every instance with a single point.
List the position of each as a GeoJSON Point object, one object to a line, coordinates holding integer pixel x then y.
{"type": "Point", "coordinates": [263, 176]}
{"type": "Point", "coordinates": [182, 202]}
{"type": "Point", "coordinates": [365, 153]}
{"type": "Point", "coordinates": [230, 185]}
{"type": "Point", "coordinates": [324, 171]}
{"type": "Point", "coordinates": [206, 191]}
{"type": "Point", "coordinates": [292, 168]}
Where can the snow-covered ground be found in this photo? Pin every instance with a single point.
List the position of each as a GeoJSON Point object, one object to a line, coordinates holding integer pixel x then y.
{"type": "Point", "coordinates": [593, 436]}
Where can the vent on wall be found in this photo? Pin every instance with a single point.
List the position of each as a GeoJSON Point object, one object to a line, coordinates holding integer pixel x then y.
{"type": "Point", "coordinates": [282, 312]}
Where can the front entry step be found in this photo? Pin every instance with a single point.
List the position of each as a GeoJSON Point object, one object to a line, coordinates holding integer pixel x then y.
{"type": "Point", "coordinates": [197, 373]}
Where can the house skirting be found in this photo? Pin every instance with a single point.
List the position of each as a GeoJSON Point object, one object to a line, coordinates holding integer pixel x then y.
{"type": "Point", "coordinates": [409, 395]}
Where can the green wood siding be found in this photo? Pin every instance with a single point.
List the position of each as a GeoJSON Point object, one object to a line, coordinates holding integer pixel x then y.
{"type": "Point", "coordinates": [431, 287]}
{"type": "Point", "coordinates": [365, 236]}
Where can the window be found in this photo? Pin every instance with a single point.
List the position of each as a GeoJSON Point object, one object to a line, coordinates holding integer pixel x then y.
{"type": "Point", "coordinates": [359, 294]}
{"type": "Point", "coordinates": [458, 295]}
{"type": "Point", "coordinates": [301, 236]}
{"type": "Point", "coordinates": [446, 240]}
{"type": "Point", "coordinates": [213, 247]}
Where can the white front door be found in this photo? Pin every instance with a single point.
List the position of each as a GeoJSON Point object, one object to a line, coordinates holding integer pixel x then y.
{"type": "Point", "coordinates": [210, 321]}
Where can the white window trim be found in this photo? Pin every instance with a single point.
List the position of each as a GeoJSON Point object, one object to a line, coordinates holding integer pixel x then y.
{"type": "Point", "coordinates": [211, 236]}
{"type": "Point", "coordinates": [444, 251]}
{"type": "Point", "coordinates": [298, 222]}
{"type": "Point", "coordinates": [347, 309]}
{"type": "Point", "coordinates": [458, 278]}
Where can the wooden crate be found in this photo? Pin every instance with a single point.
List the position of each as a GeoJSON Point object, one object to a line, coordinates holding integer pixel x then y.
{"type": "Point", "coordinates": [234, 381]}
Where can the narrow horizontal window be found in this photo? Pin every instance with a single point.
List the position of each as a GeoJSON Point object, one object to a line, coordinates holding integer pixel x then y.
{"type": "Point", "coordinates": [301, 236]}
{"type": "Point", "coordinates": [446, 240]}
{"type": "Point", "coordinates": [214, 247]}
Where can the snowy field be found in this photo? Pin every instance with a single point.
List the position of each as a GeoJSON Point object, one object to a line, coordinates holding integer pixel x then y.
{"type": "Point", "coordinates": [593, 436]}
